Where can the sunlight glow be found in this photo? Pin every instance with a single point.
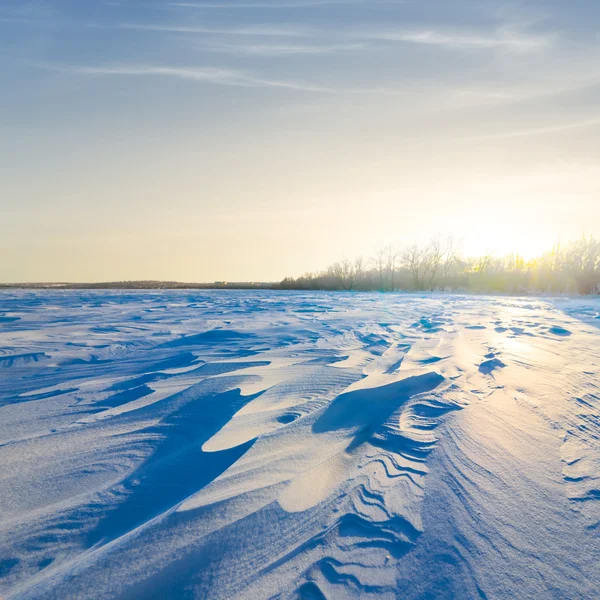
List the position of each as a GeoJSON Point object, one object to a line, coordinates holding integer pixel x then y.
{"type": "Point", "coordinates": [501, 239]}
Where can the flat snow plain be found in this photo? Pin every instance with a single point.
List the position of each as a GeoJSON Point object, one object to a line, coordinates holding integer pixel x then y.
{"type": "Point", "coordinates": [259, 445]}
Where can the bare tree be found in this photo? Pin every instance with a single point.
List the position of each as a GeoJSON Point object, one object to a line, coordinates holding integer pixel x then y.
{"type": "Point", "coordinates": [414, 259]}
{"type": "Point", "coordinates": [379, 260]}
{"type": "Point", "coordinates": [424, 263]}
{"type": "Point", "coordinates": [583, 260]}
{"type": "Point", "coordinates": [451, 256]}
{"type": "Point", "coordinates": [343, 273]}
{"type": "Point", "coordinates": [434, 253]}
{"type": "Point", "coordinates": [556, 255]}
{"type": "Point", "coordinates": [348, 274]}
{"type": "Point", "coordinates": [391, 257]}
{"type": "Point", "coordinates": [483, 263]}
{"type": "Point", "coordinates": [566, 267]}
{"type": "Point", "coordinates": [359, 269]}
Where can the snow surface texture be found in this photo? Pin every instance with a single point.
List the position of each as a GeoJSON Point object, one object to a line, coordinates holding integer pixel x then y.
{"type": "Point", "coordinates": [255, 445]}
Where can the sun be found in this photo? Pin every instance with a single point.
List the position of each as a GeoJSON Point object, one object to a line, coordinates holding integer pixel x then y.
{"type": "Point", "coordinates": [497, 237]}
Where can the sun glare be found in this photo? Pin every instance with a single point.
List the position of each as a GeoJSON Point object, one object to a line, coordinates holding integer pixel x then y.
{"type": "Point", "coordinates": [501, 238]}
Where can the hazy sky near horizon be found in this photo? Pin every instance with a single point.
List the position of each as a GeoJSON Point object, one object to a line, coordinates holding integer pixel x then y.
{"type": "Point", "coordinates": [254, 139]}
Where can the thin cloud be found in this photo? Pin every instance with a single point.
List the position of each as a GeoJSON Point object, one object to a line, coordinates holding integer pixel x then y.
{"type": "Point", "coordinates": [249, 30]}
{"type": "Point", "coordinates": [207, 74]}
{"type": "Point", "coordinates": [537, 131]}
{"type": "Point", "coordinates": [232, 77]}
{"type": "Point", "coordinates": [498, 39]}
{"type": "Point", "coordinates": [221, 76]}
{"type": "Point", "coordinates": [281, 49]}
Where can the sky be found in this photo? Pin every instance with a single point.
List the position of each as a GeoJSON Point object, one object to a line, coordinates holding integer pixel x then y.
{"type": "Point", "coordinates": [254, 139]}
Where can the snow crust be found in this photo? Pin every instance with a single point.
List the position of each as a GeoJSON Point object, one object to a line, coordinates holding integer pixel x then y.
{"type": "Point", "coordinates": [257, 445]}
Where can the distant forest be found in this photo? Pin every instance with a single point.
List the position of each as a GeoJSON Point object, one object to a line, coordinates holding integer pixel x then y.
{"type": "Point", "coordinates": [439, 265]}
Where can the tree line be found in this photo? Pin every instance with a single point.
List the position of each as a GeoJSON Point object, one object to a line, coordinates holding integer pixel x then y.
{"type": "Point", "coordinates": [440, 265]}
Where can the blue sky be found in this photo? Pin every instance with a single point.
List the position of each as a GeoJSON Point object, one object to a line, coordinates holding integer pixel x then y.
{"type": "Point", "coordinates": [252, 140]}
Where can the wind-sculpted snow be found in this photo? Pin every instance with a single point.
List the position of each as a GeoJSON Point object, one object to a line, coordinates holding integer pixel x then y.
{"type": "Point", "coordinates": [255, 445]}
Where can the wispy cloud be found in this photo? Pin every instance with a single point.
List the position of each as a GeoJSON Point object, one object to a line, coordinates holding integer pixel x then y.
{"type": "Point", "coordinates": [223, 76]}
{"type": "Point", "coordinates": [594, 122]}
{"type": "Point", "coordinates": [501, 38]}
{"type": "Point", "coordinates": [249, 30]}
{"type": "Point", "coordinates": [281, 49]}
{"type": "Point", "coordinates": [214, 75]}
{"type": "Point", "coordinates": [497, 39]}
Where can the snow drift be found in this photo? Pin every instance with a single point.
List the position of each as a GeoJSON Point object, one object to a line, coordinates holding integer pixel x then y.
{"type": "Point", "coordinates": [271, 445]}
